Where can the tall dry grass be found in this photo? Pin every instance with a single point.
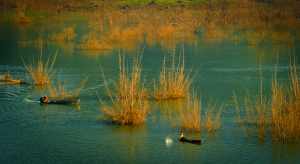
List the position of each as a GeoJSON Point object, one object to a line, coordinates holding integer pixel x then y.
{"type": "Point", "coordinates": [67, 34]}
{"type": "Point", "coordinates": [39, 72]}
{"type": "Point", "coordinates": [21, 18]}
{"type": "Point", "coordinates": [285, 107]}
{"type": "Point", "coordinates": [173, 83]}
{"type": "Point", "coordinates": [90, 42]}
{"type": "Point", "coordinates": [281, 113]}
{"type": "Point", "coordinates": [211, 31]}
{"type": "Point", "coordinates": [190, 118]}
{"type": "Point", "coordinates": [61, 93]}
{"type": "Point", "coordinates": [190, 115]}
{"type": "Point", "coordinates": [129, 105]}
{"type": "Point", "coordinates": [211, 119]}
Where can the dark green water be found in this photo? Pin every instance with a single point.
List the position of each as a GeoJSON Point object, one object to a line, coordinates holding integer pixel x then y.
{"type": "Point", "coordinates": [31, 132]}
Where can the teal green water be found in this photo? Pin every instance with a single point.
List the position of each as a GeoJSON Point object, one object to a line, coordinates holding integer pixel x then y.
{"type": "Point", "coordinates": [31, 132]}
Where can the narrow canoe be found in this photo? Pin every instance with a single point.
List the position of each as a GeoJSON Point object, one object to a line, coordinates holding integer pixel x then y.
{"type": "Point", "coordinates": [61, 102]}
{"type": "Point", "coordinates": [189, 140]}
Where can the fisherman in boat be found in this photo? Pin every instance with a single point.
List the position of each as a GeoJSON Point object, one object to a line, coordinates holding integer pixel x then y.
{"type": "Point", "coordinates": [181, 137]}
{"type": "Point", "coordinates": [44, 99]}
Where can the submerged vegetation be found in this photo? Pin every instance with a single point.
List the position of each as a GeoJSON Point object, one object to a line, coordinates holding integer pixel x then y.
{"type": "Point", "coordinates": [173, 83]}
{"type": "Point", "coordinates": [39, 72]}
{"type": "Point", "coordinates": [21, 18]}
{"type": "Point", "coordinates": [191, 120]}
{"type": "Point", "coordinates": [115, 23]}
{"type": "Point", "coordinates": [67, 34]}
{"type": "Point", "coordinates": [61, 93]}
{"type": "Point", "coordinates": [281, 113]}
{"type": "Point", "coordinates": [129, 103]}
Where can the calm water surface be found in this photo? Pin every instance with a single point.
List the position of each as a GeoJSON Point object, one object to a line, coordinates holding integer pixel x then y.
{"type": "Point", "coordinates": [31, 132]}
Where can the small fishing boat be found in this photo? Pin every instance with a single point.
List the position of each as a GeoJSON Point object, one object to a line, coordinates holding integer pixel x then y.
{"type": "Point", "coordinates": [63, 101]}
{"type": "Point", "coordinates": [189, 140]}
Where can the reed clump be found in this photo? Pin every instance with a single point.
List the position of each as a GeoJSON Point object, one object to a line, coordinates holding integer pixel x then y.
{"type": "Point", "coordinates": [285, 107]}
{"type": "Point", "coordinates": [61, 93]}
{"type": "Point", "coordinates": [21, 18]}
{"type": "Point", "coordinates": [10, 80]}
{"type": "Point", "coordinates": [67, 34]}
{"type": "Point", "coordinates": [190, 119]}
{"type": "Point", "coordinates": [173, 83]}
{"type": "Point", "coordinates": [211, 118]}
{"type": "Point", "coordinates": [128, 35]}
{"type": "Point", "coordinates": [90, 42]}
{"type": "Point", "coordinates": [211, 31]}
{"type": "Point", "coordinates": [281, 113]}
{"type": "Point", "coordinates": [129, 103]}
{"type": "Point", "coordinates": [39, 72]}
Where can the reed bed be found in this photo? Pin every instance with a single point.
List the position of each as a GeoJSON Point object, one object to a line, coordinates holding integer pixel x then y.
{"type": "Point", "coordinates": [39, 72]}
{"type": "Point", "coordinates": [61, 93]}
{"type": "Point", "coordinates": [130, 105]}
{"type": "Point", "coordinates": [173, 83]}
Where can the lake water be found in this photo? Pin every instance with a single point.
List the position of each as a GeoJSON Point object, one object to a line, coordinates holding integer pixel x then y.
{"type": "Point", "coordinates": [31, 132]}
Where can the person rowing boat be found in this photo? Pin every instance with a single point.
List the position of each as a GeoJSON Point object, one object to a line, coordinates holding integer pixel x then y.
{"type": "Point", "coordinates": [44, 99]}
{"type": "Point", "coordinates": [182, 138]}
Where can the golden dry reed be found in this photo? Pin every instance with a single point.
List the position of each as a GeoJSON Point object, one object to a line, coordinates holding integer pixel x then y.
{"type": "Point", "coordinates": [211, 119]}
{"type": "Point", "coordinates": [129, 105]}
{"type": "Point", "coordinates": [9, 79]}
{"type": "Point", "coordinates": [285, 107]}
{"type": "Point", "coordinates": [67, 34]}
{"type": "Point", "coordinates": [190, 115]}
{"type": "Point", "coordinates": [282, 113]}
{"type": "Point", "coordinates": [90, 42]}
{"type": "Point", "coordinates": [39, 72]}
{"type": "Point", "coordinates": [21, 18]}
{"type": "Point", "coordinates": [173, 83]}
{"type": "Point", "coordinates": [189, 118]}
{"type": "Point", "coordinates": [61, 93]}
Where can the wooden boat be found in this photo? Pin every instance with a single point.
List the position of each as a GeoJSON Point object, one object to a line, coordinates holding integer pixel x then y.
{"type": "Point", "coordinates": [189, 140]}
{"type": "Point", "coordinates": [70, 101]}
